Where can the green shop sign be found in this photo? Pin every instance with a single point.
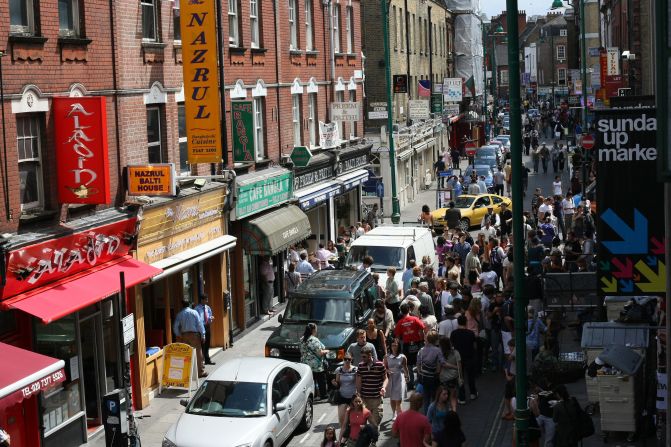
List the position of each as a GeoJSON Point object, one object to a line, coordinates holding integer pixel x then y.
{"type": "Point", "coordinates": [266, 193]}
{"type": "Point", "coordinates": [437, 103]}
{"type": "Point", "coordinates": [243, 131]}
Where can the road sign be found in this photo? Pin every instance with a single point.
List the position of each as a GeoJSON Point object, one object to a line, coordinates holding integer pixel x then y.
{"type": "Point", "coordinates": [587, 141]}
{"type": "Point", "coordinates": [301, 156]}
{"type": "Point", "coordinates": [470, 148]}
{"type": "Point", "coordinates": [128, 323]}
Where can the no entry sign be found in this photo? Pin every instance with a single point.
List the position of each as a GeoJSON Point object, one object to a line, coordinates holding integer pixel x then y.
{"type": "Point", "coordinates": [587, 141]}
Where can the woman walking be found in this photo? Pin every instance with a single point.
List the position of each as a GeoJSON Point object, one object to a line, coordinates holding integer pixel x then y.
{"type": "Point", "coordinates": [393, 294]}
{"type": "Point", "coordinates": [345, 382]}
{"type": "Point", "coordinates": [312, 354]}
{"type": "Point", "coordinates": [437, 411]}
{"type": "Point", "coordinates": [452, 435]}
{"type": "Point", "coordinates": [357, 417]}
{"type": "Point", "coordinates": [397, 371]}
{"type": "Point", "coordinates": [450, 373]}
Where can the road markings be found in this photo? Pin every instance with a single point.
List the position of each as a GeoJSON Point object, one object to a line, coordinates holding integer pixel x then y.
{"type": "Point", "coordinates": [308, 434]}
{"type": "Point", "coordinates": [494, 431]}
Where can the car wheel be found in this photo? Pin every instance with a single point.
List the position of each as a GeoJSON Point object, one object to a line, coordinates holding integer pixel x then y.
{"type": "Point", "coordinates": [306, 421]}
{"type": "Point", "coordinates": [464, 224]}
{"type": "Point", "coordinates": [268, 444]}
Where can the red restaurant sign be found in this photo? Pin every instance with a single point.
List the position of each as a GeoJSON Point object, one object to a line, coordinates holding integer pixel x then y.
{"type": "Point", "coordinates": [81, 150]}
{"type": "Point", "coordinates": [40, 264]}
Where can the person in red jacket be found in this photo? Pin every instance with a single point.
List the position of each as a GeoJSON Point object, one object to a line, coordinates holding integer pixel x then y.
{"type": "Point", "coordinates": [410, 330]}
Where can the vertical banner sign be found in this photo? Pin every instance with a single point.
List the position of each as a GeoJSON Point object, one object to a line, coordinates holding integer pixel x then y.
{"type": "Point", "coordinates": [631, 216]}
{"type": "Point", "coordinates": [201, 90]}
{"type": "Point", "coordinates": [613, 60]}
{"type": "Point", "coordinates": [81, 150]}
{"type": "Point", "coordinates": [243, 131]}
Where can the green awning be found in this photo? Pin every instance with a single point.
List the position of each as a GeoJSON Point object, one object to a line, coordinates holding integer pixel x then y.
{"type": "Point", "coordinates": [275, 231]}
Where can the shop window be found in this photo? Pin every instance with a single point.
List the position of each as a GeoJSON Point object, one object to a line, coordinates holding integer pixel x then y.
{"type": "Point", "coordinates": [336, 28]}
{"type": "Point", "coordinates": [296, 119]}
{"type": "Point", "coordinates": [350, 29]}
{"type": "Point", "coordinates": [154, 136]}
{"type": "Point", "coordinates": [312, 119]}
{"type": "Point", "coordinates": [233, 23]}
{"type": "Point", "coordinates": [8, 323]}
{"type": "Point", "coordinates": [153, 297]}
{"type": "Point", "coordinates": [29, 135]}
{"type": "Point", "coordinates": [259, 129]}
{"type": "Point", "coordinates": [254, 35]}
{"type": "Point", "coordinates": [187, 285]}
{"type": "Point", "coordinates": [150, 20]}
{"type": "Point", "coordinates": [309, 33]}
{"type": "Point", "coordinates": [68, 18]}
{"type": "Point", "coordinates": [177, 30]}
{"type": "Point", "coordinates": [22, 17]}
{"type": "Point", "coordinates": [59, 340]}
{"type": "Point", "coordinates": [184, 168]}
{"type": "Point", "coordinates": [293, 25]}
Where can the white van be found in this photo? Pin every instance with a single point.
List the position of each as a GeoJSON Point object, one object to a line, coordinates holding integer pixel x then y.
{"type": "Point", "coordinates": [392, 246]}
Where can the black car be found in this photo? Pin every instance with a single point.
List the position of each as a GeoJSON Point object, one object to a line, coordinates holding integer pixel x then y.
{"type": "Point", "coordinates": [338, 301]}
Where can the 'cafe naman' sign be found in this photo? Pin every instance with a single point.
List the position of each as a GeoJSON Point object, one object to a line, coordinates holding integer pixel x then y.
{"type": "Point", "coordinates": [81, 150]}
{"type": "Point", "coordinates": [201, 90]}
{"type": "Point", "coordinates": [40, 264]}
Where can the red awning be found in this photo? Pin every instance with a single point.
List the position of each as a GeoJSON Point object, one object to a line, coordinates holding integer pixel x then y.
{"type": "Point", "coordinates": [25, 373]}
{"type": "Point", "coordinates": [54, 301]}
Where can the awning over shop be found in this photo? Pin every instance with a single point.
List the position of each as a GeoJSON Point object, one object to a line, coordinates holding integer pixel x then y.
{"type": "Point", "coordinates": [309, 197]}
{"type": "Point", "coordinates": [353, 179]}
{"type": "Point", "coordinates": [56, 300]}
{"type": "Point", "coordinates": [26, 373]}
{"type": "Point", "coordinates": [275, 231]}
{"type": "Point", "coordinates": [192, 256]}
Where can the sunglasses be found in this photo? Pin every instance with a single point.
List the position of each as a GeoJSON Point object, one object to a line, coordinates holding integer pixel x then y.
{"type": "Point", "coordinates": [348, 360]}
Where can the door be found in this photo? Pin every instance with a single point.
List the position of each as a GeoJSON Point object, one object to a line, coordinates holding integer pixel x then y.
{"type": "Point", "coordinates": [90, 330]}
{"type": "Point", "coordinates": [280, 392]}
{"type": "Point", "coordinates": [14, 422]}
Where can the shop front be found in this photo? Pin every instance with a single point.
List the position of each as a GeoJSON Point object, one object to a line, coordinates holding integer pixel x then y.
{"type": "Point", "coordinates": [60, 300]}
{"type": "Point", "coordinates": [187, 239]}
{"type": "Point", "coordinates": [266, 227]}
{"type": "Point", "coordinates": [352, 173]}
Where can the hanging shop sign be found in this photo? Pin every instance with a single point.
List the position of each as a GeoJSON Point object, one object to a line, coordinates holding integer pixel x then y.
{"type": "Point", "coordinates": [437, 103]}
{"type": "Point", "coordinates": [613, 61]}
{"type": "Point", "coordinates": [401, 83]}
{"type": "Point", "coordinates": [452, 89]}
{"type": "Point", "coordinates": [201, 90]}
{"type": "Point", "coordinates": [630, 225]}
{"type": "Point", "coordinates": [242, 113]}
{"type": "Point", "coordinates": [345, 111]}
{"type": "Point", "coordinates": [313, 177]}
{"type": "Point", "coordinates": [164, 221]}
{"type": "Point", "coordinates": [329, 135]}
{"type": "Point", "coordinates": [265, 193]}
{"type": "Point", "coordinates": [82, 163]}
{"type": "Point", "coordinates": [152, 180]}
{"type": "Point", "coordinates": [43, 263]}
{"type": "Point", "coordinates": [451, 109]}
{"type": "Point", "coordinates": [377, 111]}
{"type": "Point", "coordinates": [418, 109]}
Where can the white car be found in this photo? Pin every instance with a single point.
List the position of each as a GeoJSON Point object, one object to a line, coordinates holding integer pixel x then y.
{"type": "Point", "coordinates": [246, 402]}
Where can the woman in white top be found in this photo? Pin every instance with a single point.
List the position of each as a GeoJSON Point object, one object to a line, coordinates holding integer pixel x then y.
{"type": "Point", "coordinates": [569, 208]}
{"type": "Point", "coordinates": [556, 186]}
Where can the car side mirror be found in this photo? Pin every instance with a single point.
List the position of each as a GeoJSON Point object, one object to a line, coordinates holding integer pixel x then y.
{"type": "Point", "coordinates": [184, 402]}
{"type": "Point", "coordinates": [280, 318]}
{"type": "Point", "coordinates": [280, 406]}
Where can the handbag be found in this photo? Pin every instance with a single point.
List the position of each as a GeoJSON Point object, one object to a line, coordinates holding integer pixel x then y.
{"type": "Point", "coordinates": [346, 431]}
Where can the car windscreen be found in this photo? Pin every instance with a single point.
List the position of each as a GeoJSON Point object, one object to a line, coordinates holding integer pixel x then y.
{"type": "Point", "coordinates": [463, 202]}
{"type": "Point", "coordinates": [229, 399]}
{"type": "Point", "coordinates": [334, 310]}
{"type": "Point", "coordinates": [486, 153]}
{"type": "Point", "coordinates": [383, 257]}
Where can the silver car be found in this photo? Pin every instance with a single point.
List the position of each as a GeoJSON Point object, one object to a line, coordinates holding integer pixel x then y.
{"type": "Point", "coordinates": [246, 402]}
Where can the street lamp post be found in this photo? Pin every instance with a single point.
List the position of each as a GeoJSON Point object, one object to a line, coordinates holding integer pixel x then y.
{"type": "Point", "coordinates": [395, 206]}
{"type": "Point", "coordinates": [521, 411]}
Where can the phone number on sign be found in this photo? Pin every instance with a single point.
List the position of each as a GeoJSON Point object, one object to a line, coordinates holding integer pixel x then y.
{"type": "Point", "coordinates": [45, 382]}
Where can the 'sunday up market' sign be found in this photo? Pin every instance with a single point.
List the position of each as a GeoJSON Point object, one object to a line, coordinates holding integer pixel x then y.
{"type": "Point", "coordinates": [81, 150]}
{"type": "Point", "coordinates": [201, 92]}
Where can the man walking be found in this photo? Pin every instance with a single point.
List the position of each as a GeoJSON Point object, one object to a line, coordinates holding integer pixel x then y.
{"type": "Point", "coordinates": [207, 317]}
{"type": "Point", "coordinates": [371, 381]}
{"type": "Point", "coordinates": [452, 216]}
{"type": "Point", "coordinates": [410, 330]}
{"type": "Point", "coordinates": [464, 341]}
{"type": "Point", "coordinates": [499, 181]}
{"type": "Point", "coordinates": [267, 284]}
{"type": "Point", "coordinates": [189, 329]}
{"type": "Point", "coordinates": [411, 427]}
{"type": "Point", "coordinates": [356, 348]}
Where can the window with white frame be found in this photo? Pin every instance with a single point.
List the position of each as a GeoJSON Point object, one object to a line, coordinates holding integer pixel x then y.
{"type": "Point", "coordinates": [336, 28]}
{"type": "Point", "coordinates": [561, 52]}
{"type": "Point", "coordinates": [563, 33]}
{"type": "Point", "coordinates": [296, 118]}
{"type": "Point", "coordinates": [254, 31]}
{"type": "Point", "coordinates": [401, 29]}
{"type": "Point", "coordinates": [393, 26]}
{"type": "Point", "coordinates": [353, 124]}
{"type": "Point", "coordinates": [309, 33]}
{"type": "Point", "coordinates": [312, 118]}
{"type": "Point", "coordinates": [150, 20]}
{"type": "Point", "coordinates": [68, 18]}
{"type": "Point", "coordinates": [340, 97]}
{"type": "Point", "coordinates": [259, 133]}
{"type": "Point", "coordinates": [350, 29]}
{"type": "Point", "coordinates": [29, 146]}
{"type": "Point", "coordinates": [503, 76]}
{"type": "Point", "coordinates": [561, 76]}
{"type": "Point", "coordinates": [22, 17]}
{"type": "Point", "coordinates": [293, 25]}
{"type": "Point", "coordinates": [154, 141]}
{"type": "Point", "coordinates": [184, 168]}
{"type": "Point", "coordinates": [176, 19]}
{"type": "Point", "coordinates": [233, 24]}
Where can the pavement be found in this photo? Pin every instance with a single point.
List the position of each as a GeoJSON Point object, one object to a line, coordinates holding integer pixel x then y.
{"type": "Point", "coordinates": [481, 418]}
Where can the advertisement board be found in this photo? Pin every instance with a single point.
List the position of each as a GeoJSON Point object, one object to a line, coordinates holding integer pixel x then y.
{"type": "Point", "coordinates": [452, 89]}
{"type": "Point", "coordinates": [152, 180]}
{"type": "Point", "coordinates": [179, 366]}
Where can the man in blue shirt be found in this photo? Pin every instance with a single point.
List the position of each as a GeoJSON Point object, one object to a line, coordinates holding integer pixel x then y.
{"type": "Point", "coordinates": [189, 329]}
{"type": "Point", "coordinates": [304, 267]}
{"type": "Point", "coordinates": [207, 317]}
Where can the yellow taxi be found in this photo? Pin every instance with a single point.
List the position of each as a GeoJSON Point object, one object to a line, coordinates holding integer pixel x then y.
{"type": "Point", "coordinates": [473, 208]}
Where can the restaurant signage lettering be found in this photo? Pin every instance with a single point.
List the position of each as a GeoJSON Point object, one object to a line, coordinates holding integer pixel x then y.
{"type": "Point", "coordinates": [39, 264]}
{"type": "Point", "coordinates": [201, 89]}
{"type": "Point", "coordinates": [152, 180]}
{"type": "Point", "coordinates": [344, 111]}
{"type": "Point", "coordinates": [44, 383]}
{"type": "Point", "coordinates": [174, 244]}
{"type": "Point", "coordinates": [352, 163]}
{"type": "Point", "coordinates": [243, 131]}
{"type": "Point", "coordinates": [263, 194]}
{"type": "Point", "coordinates": [312, 177]}
{"type": "Point", "coordinates": [180, 215]}
{"type": "Point", "coordinates": [82, 163]}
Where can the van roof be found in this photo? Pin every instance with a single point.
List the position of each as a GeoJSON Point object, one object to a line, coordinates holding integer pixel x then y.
{"type": "Point", "coordinates": [393, 236]}
{"type": "Point", "coordinates": [392, 230]}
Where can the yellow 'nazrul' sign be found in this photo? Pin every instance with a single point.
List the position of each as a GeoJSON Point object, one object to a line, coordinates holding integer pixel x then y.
{"type": "Point", "coordinates": [201, 94]}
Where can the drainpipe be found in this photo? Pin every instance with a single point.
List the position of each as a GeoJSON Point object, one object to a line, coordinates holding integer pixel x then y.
{"type": "Point", "coordinates": [277, 76]}
{"type": "Point", "coordinates": [8, 209]}
{"type": "Point", "coordinates": [328, 11]}
{"type": "Point", "coordinates": [222, 84]}
{"type": "Point", "coordinates": [115, 95]}
{"type": "Point", "coordinates": [407, 48]}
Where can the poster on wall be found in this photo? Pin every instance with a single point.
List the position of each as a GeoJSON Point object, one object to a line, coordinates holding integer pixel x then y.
{"type": "Point", "coordinates": [630, 216]}
{"type": "Point", "coordinates": [82, 163]}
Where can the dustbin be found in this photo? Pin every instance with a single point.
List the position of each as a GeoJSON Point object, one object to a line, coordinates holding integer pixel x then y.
{"type": "Point", "coordinates": [115, 418]}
